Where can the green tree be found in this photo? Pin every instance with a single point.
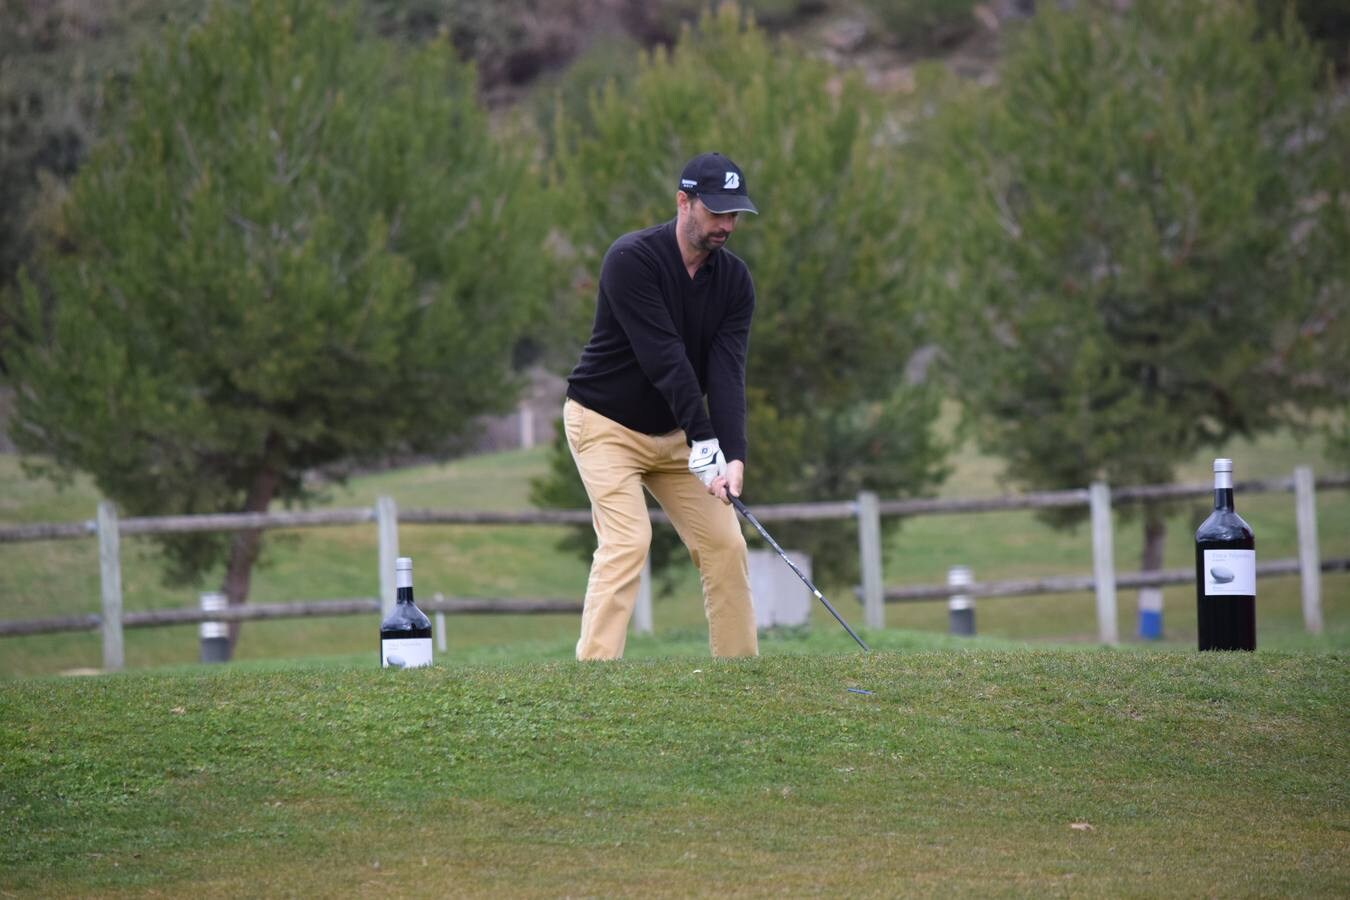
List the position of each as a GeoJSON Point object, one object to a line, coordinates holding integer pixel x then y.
{"type": "Point", "coordinates": [303, 249]}
{"type": "Point", "coordinates": [54, 61]}
{"type": "Point", "coordinates": [1129, 234]}
{"type": "Point", "coordinates": [829, 410]}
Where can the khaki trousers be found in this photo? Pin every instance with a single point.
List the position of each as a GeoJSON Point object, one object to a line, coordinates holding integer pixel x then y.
{"type": "Point", "coordinates": [616, 463]}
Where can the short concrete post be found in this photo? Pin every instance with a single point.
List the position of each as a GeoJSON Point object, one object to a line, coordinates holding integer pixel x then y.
{"type": "Point", "coordinates": [777, 594]}
{"type": "Point", "coordinates": [215, 636]}
{"type": "Point", "coordinates": [110, 578]}
{"type": "Point", "coordinates": [960, 606]}
{"type": "Point", "coordinates": [1309, 558]}
{"type": "Point", "coordinates": [642, 612]}
{"type": "Point", "coordinates": [386, 520]}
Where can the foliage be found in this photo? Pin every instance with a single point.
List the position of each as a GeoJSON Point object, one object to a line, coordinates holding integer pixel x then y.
{"type": "Point", "coordinates": [298, 252]}
{"type": "Point", "coordinates": [1326, 21]}
{"type": "Point", "coordinates": [662, 21]}
{"type": "Point", "coordinates": [829, 414]}
{"type": "Point", "coordinates": [925, 25]}
{"type": "Point", "coordinates": [568, 95]}
{"type": "Point", "coordinates": [1322, 366]}
{"type": "Point", "coordinates": [55, 60]}
{"type": "Point", "coordinates": [1129, 235]}
{"type": "Point", "coordinates": [510, 42]}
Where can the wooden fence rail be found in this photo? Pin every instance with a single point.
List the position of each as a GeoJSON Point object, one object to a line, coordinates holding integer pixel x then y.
{"type": "Point", "coordinates": [867, 510]}
{"type": "Point", "coordinates": [1072, 584]}
{"type": "Point", "coordinates": [254, 612]}
{"type": "Point", "coordinates": [778, 512]}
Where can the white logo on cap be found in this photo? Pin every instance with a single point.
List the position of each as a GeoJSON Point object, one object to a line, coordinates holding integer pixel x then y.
{"type": "Point", "coordinates": [685, 182]}
{"type": "Point", "coordinates": [732, 181]}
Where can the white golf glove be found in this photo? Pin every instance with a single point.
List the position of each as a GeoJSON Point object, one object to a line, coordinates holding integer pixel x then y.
{"type": "Point", "coordinates": [706, 461]}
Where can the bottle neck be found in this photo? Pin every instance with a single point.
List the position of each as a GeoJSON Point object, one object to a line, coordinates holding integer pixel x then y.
{"type": "Point", "coordinates": [403, 583]}
{"type": "Point", "coordinates": [1223, 491]}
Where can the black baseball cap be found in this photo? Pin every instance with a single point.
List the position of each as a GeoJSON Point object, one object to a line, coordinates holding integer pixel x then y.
{"type": "Point", "coordinates": [718, 182]}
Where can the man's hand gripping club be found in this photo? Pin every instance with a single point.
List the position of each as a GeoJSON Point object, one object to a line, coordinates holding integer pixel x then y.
{"type": "Point", "coordinates": [718, 476]}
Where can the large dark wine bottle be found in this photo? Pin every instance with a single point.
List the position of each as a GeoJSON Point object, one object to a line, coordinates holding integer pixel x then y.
{"type": "Point", "coordinates": [405, 635]}
{"type": "Point", "coordinates": [1225, 572]}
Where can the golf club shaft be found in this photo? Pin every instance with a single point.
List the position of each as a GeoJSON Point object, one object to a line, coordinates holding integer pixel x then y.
{"type": "Point", "coordinates": [750, 517]}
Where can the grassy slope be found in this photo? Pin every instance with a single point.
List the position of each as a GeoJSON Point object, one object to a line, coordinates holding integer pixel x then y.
{"type": "Point", "coordinates": [962, 774]}
{"type": "Point", "coordinates": [62, 577]}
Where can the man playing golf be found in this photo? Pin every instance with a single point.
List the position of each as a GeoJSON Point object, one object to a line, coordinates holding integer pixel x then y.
{"type": "Point", "coordinates": [672, 325]}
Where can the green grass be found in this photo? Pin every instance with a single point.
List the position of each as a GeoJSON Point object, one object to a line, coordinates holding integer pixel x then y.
{"type": "Point", "coordinates": [963, 773]}
{"type": "Point", "coordinates": [55, 578]}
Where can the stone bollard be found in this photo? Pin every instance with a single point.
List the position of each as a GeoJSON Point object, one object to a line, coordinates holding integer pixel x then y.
{"type": "Point", "coordinates": [960, 607]}
{"type": "Point", "coordinates": [215, 635]}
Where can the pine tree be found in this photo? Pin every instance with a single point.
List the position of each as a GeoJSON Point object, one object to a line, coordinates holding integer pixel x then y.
{"type": "Point", "coordinates": [304, 249]}
{"type": "Point", "coordinates": [1130, 235]}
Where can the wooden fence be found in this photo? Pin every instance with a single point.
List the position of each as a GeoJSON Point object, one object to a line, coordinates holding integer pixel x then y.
{"type": "Point", "coordinates": [867, 510]}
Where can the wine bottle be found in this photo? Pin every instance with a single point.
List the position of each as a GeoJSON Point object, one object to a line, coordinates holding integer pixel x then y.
{"type": "Point", "coordinates": [1225, 572]}
{"type": "Point", "coordinates": [405, 634]}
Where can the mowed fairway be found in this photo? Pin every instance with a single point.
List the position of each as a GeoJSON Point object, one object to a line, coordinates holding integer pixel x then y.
{"type": "Point", "coordinates": [980, 771]}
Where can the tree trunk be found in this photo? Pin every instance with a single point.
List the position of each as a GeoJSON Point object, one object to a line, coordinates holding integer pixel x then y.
{"type": "Point", "coordinates": [247, 544]}
{"type": "Point", "coordinates": [1151, 560]}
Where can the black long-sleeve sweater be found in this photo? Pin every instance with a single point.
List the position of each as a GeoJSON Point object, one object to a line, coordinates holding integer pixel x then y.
{"type": "Point", "coordinates": [662, 340]}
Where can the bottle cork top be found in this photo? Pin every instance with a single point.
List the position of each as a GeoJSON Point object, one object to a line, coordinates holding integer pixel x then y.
{"type": "Point", "coordinates": [1223, 465]}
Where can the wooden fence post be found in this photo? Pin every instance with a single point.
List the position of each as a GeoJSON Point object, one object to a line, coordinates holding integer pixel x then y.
{"type": "Point", "coordinates": [110, 577]}
{"type": "Point", "coordinates": [1103, 562]}
{"type": "Point", "coordinates": [642, 612]}
{"type": "Point", "coordinates": [869, 558]}
{"type": "Point", "coordinates": [386, 518]}
{"type": "Point", "coordinates": [1309, 558]}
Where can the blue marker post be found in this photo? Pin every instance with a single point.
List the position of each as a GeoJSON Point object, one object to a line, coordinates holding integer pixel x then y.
{"type": "Point", "coordinates": [1150, 613]}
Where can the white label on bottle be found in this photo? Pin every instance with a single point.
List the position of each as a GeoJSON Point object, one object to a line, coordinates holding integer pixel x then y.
{"type": "Point", "coordinates": [405, 653]}
{"type": "Point", "coordinates": [1230, 573]}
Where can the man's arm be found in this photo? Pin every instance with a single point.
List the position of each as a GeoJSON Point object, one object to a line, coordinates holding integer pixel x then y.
{"type": "Point", "coordinates": [635, 299]}
{"type": "Point", "coordinates": [726, 391]}
{"type": "Point", "coordinates": [726, 375]}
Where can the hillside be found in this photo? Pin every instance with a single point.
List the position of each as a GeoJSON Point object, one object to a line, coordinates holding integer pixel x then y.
{"type": "Point", "coordinates": [921, 773]}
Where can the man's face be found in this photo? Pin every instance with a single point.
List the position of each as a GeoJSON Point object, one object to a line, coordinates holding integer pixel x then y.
{"type": "Point", "coordinates": [703, 229]}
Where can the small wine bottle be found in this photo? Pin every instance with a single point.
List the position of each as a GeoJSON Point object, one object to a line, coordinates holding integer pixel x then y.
{"type": "Point", "coordinates": [1225, 572]}
{"type": "Point", "coordinates": [405, 635]}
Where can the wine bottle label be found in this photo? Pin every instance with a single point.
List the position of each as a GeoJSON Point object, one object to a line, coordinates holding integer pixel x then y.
{"type": "Point", "coordinates": [1230, 573]}
{"type": "Point", "coordinates": [405, 653]}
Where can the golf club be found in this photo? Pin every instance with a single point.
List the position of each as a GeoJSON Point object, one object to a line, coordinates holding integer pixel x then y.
{"type": "Point", "coordinates": [749, 517]}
